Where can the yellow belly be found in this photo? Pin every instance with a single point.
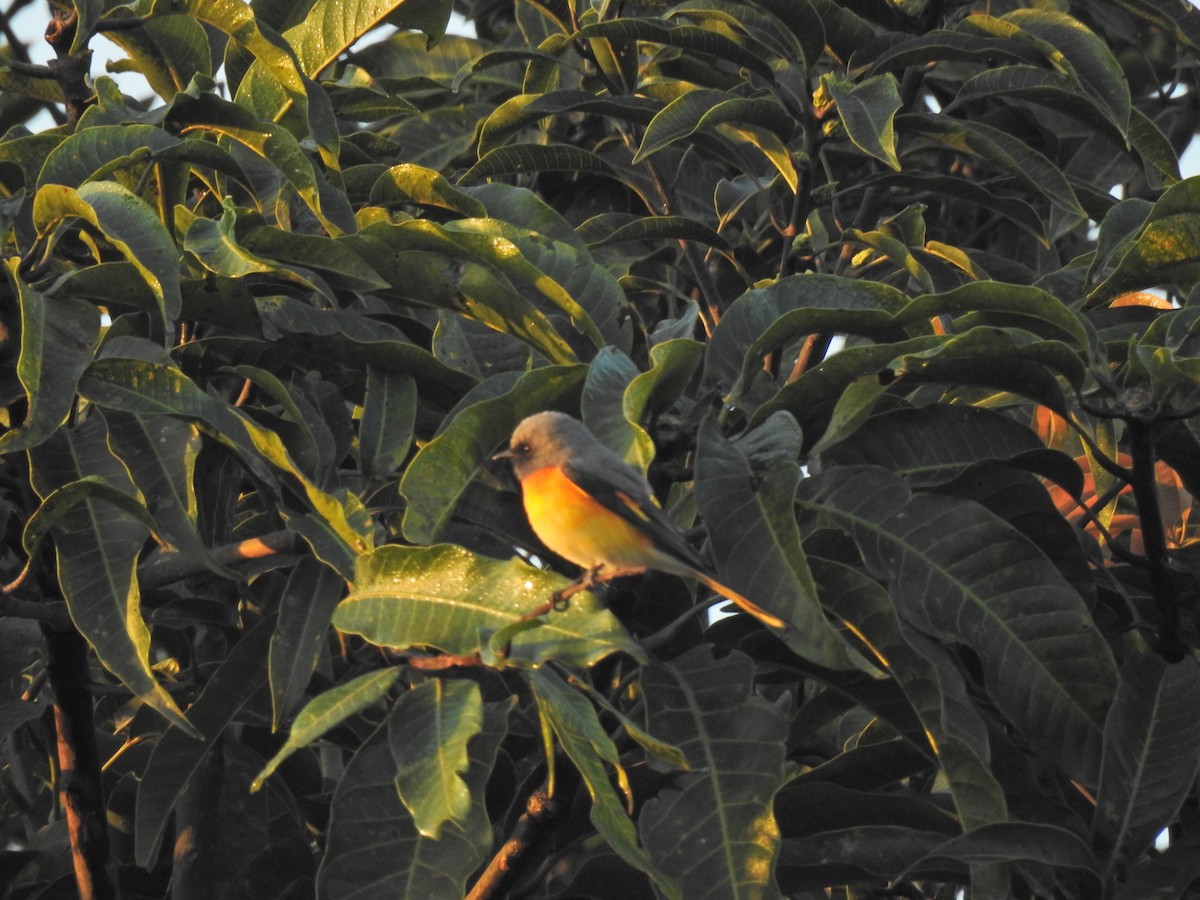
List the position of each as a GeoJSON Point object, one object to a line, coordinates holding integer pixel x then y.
{"type": "Point", "coordinates": [578, 528]}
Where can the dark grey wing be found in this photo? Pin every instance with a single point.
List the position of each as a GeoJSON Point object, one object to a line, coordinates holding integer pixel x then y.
{"type": "Point", "coordinates": [626, 493]}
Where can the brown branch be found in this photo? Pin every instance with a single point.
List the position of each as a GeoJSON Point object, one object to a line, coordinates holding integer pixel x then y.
{"type": "Point", "coordinates": [540, 812]}
{"type": "Point", "coordinates": [79, 787]}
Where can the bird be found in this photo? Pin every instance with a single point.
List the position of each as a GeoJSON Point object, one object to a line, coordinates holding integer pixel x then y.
{"type": "Point", "coordinates": [592, 508]}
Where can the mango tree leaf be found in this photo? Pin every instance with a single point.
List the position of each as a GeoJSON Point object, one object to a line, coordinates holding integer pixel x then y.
{"type": "Point", "coordinates": [1031, 168]}
{"type": "Point", "coordinates": [451, 599]}
{"type": "Point", "coordinates": [442, 469]}
{"type": "Point", "coordinates": [759, 320]}
{"type": "Point", "coordinates": [713, 831]}
{"type": "Point", "coordinates": [933, 684]}
{"type": "Point", "coordinates": [1095, 69]}
{"type": "Point", "coordinates": [411, 183]}
{"type": "Point", "coordinates": [271, 142]}
{"type": "Point", "coordinates": [102, 149]}
{"type": "Point", "coordinates": [168, 50]}
{"type": "Point", "coordinates": [357, 340]}
{"type": "Point", "coordinates": [97, 545]}
{"type": "Point", "coordinates": [899, 440]}
{"type": "Point", "coordinates": [574, 722]}
{"type": "Point", "coordinates": [524, 110]}
{"type": "Point", "coordinates": [428, 731]}
{"type": "Point", "coordinates": [1053, 90]}
{"type": "Point", "coordinates": [305, 611]}
{"type": "Point", "coordinates": [385, 434]}
{"type": "Point", "coordinates": [701, 41]}
{"type": "Point", "coordinates": [1151, 755]}
{"type": "Point", "coordinates": [607, 229]}
{"type": "Point", "coordinates": [129, 224]}
{"type": "Point", "coordinates": [602, 409]}
{"type": "Point", "coordinates": [1050, 674]}
{"type": "Point", "coordinates": [153, 389]}
{"type": "Point", "coordinates": [55, 350]}
{"type": "Point", "coordinates": [746, 494]}
{"type": "Point", "coordinates": [700, 109]}
{"type": "Point", "coordinates": [328, 710]}
{"type": "Point", "coordinates": [178, 755]}
{"type": "Point", "coordinates": [518, 158]}
{"type": "Point", "coordinates": [330, 29]}
{"type": "Point", "coordinates": [373, 843]}
{"type": "Point", "coordinates": [1163, 250]}
{"type": "Point", "coordinates": [867, 110]}
{"type": "Point", "coordinates": [277, 58]}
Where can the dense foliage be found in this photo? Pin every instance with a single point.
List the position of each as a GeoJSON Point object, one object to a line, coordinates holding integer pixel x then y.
{"type": "Point", "coordinates": [895, 302]}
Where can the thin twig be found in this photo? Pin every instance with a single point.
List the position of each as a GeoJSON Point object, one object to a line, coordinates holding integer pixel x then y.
{"type": "Point", "coordinates": [540, 812]}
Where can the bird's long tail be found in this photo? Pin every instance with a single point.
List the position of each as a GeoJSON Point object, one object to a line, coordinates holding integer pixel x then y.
{"type": "Point", "coordinates": [754, 609]}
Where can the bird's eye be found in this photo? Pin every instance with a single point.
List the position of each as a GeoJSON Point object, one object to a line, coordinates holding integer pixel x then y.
{"type": "Point", "coordinates": [523, 449]}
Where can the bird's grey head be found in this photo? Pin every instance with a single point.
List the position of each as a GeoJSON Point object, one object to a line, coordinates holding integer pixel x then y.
{"type": "Point", "coordinates": [541, 440]}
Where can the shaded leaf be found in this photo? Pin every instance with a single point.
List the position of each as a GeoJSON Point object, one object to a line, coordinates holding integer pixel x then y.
{"type": "Point", "coordinates": [428, 732]}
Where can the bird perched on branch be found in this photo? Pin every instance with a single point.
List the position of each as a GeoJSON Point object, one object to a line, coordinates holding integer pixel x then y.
{"type": "Point", "coordinates": [591, 507]}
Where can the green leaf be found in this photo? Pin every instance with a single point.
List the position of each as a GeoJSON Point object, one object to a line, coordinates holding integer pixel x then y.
{"type": "Point", "coordinates": [524, 110]}
{"type": "Point", "coordinates": [700, 109]}
{"type": "Point", "coordinates": [516, 159]}
{"type": "Point", "coordinates": [385, 434]}
{"type": "Point", "coordinates": [586, 742]}
{"type": "Point", "coordinates": [160, 453]}
{"type": "Point", "coordinates": [1050, 674]}
{"type": "Point", "coordinates": [1052, 90]}
{"type": "Point", "coordinates": [603, 410]}
{"type": "Point", "coordinates": [428, 732]}
{"type": "Point", "coordinates": [55, 350]}
{"type": "Point", "coordinates": [305, 611]}
{"type": "Point", "coordinates": [1084, 55]}
{"type": "Point", "coordinates": [867, 110]}
{"type": "Point", "coordinates": [1033, 169]}
{"type": "Point", "coordinates": [1164, 249]}
{"type": "Point", "coordinates": [276, 57]}
{"type": "Point", "coordinates": [746, 495]}
{"type": "Point", "coordinates": [129, 224]}
{"type": "Point", "coordinates": [607, 229]}
{"type": "Point", "coordinates": [330, 29]}
{"type": "Point", "coordinates": [774, 315]}
{"type": "Point", "coordinates": [99, 150]}
{"type": "Point", "coordinates": [146, 388]}
{"type": "Point", "coordinates": [442, 469]}
{"type": "Point", "coordinates": [901, 440]}
{"type": "Point", "coordinates": [271, 142]}
{"type": "Point", "coordinates": [328, 710]}
{"type": "Point", "coordinates": [1151, 755]}
{"type": "Point", "coordinates": [97, 546]}
{"type": "Point", "coordinates": [1016, 841]}
{"type": "Point", "coordinates": [410, 183]}
{"type": "Point", "coordinates": [929, 677]}
{"type": "Point", "coordinates": [169, 51]}
{"type": "Point", "coordinates": [700, 41]}
{"type": "Point", "coordinates": [454, 600]}
{"type": "Point", "coordinates": [712, 831]}
{"type": "Point", "coordinates": [359, 340]}
{"type": "Point", "coordinates": [373, 841]}
{"type": "Point", "coordinates": [177, 755]}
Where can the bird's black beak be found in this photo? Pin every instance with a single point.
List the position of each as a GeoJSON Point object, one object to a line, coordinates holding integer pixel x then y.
{"type": "Point", "coordinates": [506, 453]}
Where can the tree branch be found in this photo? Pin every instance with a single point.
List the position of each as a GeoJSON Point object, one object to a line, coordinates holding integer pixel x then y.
{"type": "Point", "coordinates": [540, 812]}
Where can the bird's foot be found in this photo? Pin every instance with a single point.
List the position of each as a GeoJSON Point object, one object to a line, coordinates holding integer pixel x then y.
{"type": "Point", "coordinates": [560, 600]}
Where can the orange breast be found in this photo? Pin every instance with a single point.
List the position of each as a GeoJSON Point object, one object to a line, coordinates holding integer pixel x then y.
{"type": "Point", "coordinates": [577, 527]}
